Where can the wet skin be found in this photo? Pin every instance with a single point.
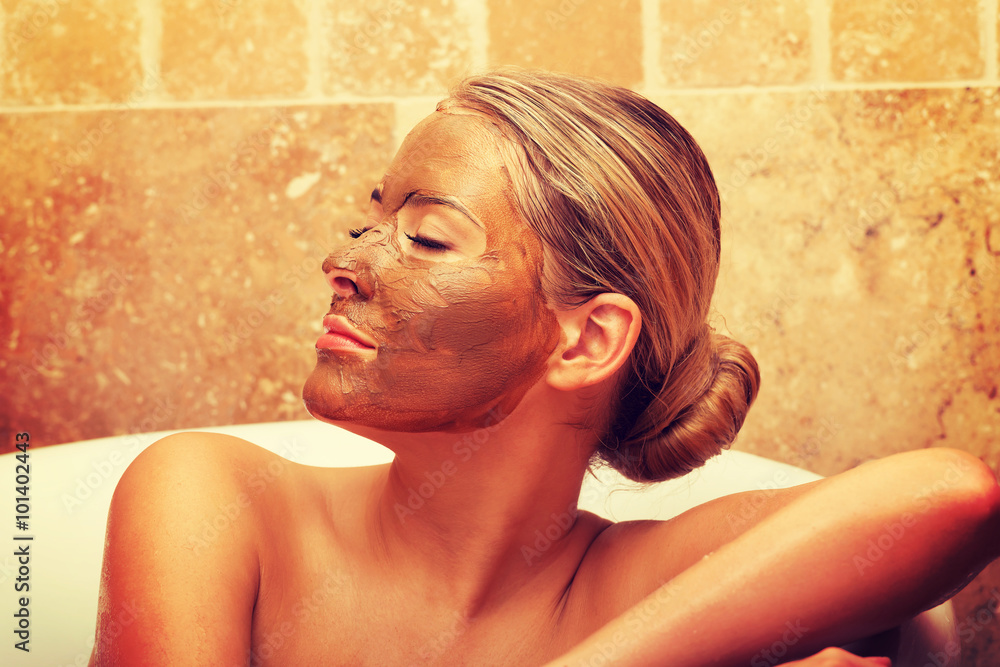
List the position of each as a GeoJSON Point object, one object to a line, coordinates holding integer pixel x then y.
{"type": "Point", "coordinates": [446, 279]}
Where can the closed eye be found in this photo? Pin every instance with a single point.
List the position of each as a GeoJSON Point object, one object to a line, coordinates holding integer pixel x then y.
{"type": "Point", "coordinates": [427, 243]}
{"type": "Point", "coordinates": [417, 240]}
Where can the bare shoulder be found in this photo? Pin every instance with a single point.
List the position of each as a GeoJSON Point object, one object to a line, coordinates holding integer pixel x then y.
{"type": "Point", "coordinates": [631, 559]}
{"type": "Point", "coordinates": [181, 544]}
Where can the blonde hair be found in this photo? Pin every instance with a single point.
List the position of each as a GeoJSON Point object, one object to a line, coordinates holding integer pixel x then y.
{"type": "Point", "coordinates": [624, 199]}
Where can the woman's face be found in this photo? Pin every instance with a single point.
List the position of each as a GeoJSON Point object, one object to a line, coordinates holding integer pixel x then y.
{"type": "Point", "coordinates": [445, 279]}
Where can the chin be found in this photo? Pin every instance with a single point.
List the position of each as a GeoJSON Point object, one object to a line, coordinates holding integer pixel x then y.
{"type": "Point", "coordinates": [396, 410]}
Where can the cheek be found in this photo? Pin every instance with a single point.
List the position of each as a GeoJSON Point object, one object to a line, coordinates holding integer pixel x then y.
{"type": "Point", "coordinates": [472, 315]}
{"type": "Point", "coordinates": [500, 315]}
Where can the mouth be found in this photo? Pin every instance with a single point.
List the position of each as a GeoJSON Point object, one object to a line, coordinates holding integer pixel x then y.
{"type": "Point", "coordinates": [340, 335]}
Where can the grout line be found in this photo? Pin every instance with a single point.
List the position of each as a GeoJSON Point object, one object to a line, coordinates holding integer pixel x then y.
{"type": "Point", "coordinates": [822, 70]}
{"type": "Point", "coordinates": [4, 46]}
{"type": "Point", "coordinates": [226, 104]}
{"type": "Point", "coordinates": [397, 132]}
{"type": "Point", "coordinates": [316, 52]}
{"type": "Point", "coordinates": [988, 34]}
{"type": "Point", "coordinates": [151, 42]}
{"type": "Point", "coordinates": [652, 43]}
{"type": "Point", "coordinates": [477, 13]}
{"type": "Point", "coordinates": [832, 86]}
{"type": "Point", "coordinates": [433, 99]}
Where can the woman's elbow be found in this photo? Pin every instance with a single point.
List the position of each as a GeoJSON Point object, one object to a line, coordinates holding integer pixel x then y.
{"type": "Point", "coordinates": [966, 490]}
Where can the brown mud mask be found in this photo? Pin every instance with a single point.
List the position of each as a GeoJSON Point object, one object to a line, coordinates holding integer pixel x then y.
{"type": "Point", "coordinates": [462, 329]}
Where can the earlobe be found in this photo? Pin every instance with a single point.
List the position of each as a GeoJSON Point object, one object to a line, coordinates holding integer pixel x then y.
{"type": "Point", "coordinates": [598, 338]}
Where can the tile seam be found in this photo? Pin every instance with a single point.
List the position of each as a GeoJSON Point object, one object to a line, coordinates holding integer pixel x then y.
{"type": "Point", "coordinates": [150, 14]}
{"type": "Point", "coordinates": [988, 33]}
{"type": "Point", "coordinates": [477, 13]}
{"type": "Point", "coordinates": [821, 56]}
{"type": "Point", "coordinates": [220, 104]}
{"type": "Point", "coordinates": [315, 47]}
{"type": "Point", "coordinates": [393, 100]}
{"type": "Point", "coordinates": [649, 15]}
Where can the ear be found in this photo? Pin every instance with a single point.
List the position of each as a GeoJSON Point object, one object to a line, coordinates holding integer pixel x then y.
{"type": "Point", "coordinates": [598, 338]}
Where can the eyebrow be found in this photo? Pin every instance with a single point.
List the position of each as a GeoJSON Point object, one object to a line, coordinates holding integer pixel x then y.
{"type": "Point", "coordinates": [418, 198]}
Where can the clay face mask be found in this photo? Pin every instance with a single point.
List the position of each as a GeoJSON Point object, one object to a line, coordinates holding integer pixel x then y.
{"type": "Point", "coordinates": [448, 286]}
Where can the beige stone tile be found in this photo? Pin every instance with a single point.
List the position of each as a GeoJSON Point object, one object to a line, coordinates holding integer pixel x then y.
{"type": "Point", "coordinates": [392, 47]}
{"type": "Point", "coordinates": [162, 268]}
{"type": "Point", "coordinates": [735, 42]}
{"type": "Point", "coordinates": [859, 266]}
{"type": "Point", "coordinates": [908, 40]}
{"type": "Point", "coordinates": [68, 52]}
{"type": "Point", "coordinates": [597, 39]}
{"type": "Point", "coordinates": [234, 49]}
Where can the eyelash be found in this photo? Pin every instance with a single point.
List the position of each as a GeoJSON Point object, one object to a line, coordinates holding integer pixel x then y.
{"type": "Point", "coordinates": [416, 240]}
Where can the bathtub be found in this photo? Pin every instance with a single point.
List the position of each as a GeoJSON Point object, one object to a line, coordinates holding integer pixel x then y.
{"type": "Point", "coordinates": [71, 488]}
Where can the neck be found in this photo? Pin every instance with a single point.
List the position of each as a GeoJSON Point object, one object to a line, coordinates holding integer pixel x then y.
{"type": "Point", "coordinates": [472, 517]}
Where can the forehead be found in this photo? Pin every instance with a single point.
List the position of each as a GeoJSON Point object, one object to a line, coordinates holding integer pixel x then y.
{"type": "Point", "coordinates": [451, 154]}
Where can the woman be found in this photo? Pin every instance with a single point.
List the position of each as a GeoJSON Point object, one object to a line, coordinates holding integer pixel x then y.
{"type": "Point", "coordinates": [536, 270]}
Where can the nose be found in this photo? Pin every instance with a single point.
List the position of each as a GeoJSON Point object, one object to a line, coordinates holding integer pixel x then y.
{"type": "Point", "coordinates": [343, 282]}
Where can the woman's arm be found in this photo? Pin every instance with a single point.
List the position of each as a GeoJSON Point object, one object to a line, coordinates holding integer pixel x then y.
{"type": "Point", "coordinates": [855, 554]}
{"type": "Point", "coordinates": [180, 570]}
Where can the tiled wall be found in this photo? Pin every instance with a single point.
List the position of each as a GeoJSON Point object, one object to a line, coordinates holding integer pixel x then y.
{"type": "Point", "coordinates": [173, 173]}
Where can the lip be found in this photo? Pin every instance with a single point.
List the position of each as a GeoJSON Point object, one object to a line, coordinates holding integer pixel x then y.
{"type": "Point", "coordinates": [340, 335]}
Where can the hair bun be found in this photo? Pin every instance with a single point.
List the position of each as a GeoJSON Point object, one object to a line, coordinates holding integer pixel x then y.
{"type": "Point", "coordinates": [695, 415]}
